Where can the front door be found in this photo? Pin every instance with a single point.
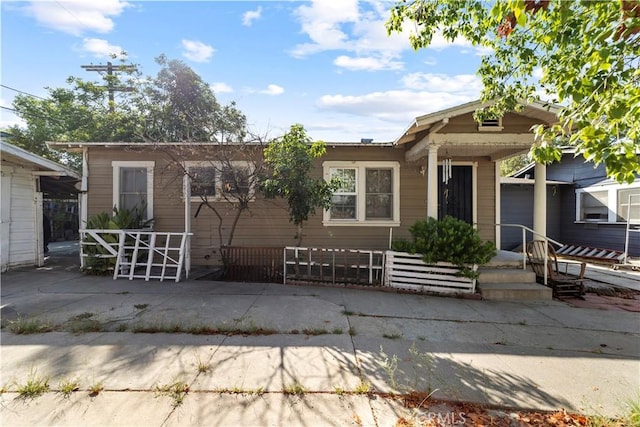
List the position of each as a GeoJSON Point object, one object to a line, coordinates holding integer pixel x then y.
{"type": "Point", "coordinates": [455, 198]}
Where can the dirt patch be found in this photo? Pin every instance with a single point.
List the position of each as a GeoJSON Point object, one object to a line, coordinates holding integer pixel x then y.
{"type": "Point", "coordinates": [609, 298]}
{"type": "Point", "coordinates": [430, 412]}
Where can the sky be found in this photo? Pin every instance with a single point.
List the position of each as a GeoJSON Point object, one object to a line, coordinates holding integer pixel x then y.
{"type": "Point", "coordinates": [326, 64]}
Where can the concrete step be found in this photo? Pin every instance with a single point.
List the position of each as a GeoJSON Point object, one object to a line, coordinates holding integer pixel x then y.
{"type": "Point", "coordinates": [515, 292]}
{"type": "Point", "coordinates": [506, 275]}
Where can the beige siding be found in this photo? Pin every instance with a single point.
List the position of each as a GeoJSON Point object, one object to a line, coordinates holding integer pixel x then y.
{"type": "Point", "coordinates": [267, 221]}
{"type": "Point", "coordinates": [486, 200]}
{"type": "Point", "coordinates": [512, 123]}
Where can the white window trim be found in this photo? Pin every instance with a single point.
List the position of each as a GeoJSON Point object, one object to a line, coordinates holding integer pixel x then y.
{"type": "Point", "coordinates": [149, 165]}
{"type": "Point", "coordinates": [612, 202]}
{"type": "Point", "coordinates": [217, 165]}
{"type": "Point", "coordinates": [361, 166]}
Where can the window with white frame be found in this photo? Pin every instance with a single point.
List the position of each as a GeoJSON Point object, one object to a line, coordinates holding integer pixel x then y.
{"type": "Point", "coordinates": [133, 186]}
{"type": "Point", "coordinates": [608, 203]}
{"type": "Point", "coordinates": [214, 180]}
{"type": "Point", "coordinates": [369, 193]}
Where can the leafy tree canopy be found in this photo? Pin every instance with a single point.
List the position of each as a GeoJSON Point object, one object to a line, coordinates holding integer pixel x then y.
{"type": "Point", "coordinates": [290, 159]}
{"type": "Point", "coordinates": [175, 106]}
{"type": "Point", "coordinates": [584, 54]}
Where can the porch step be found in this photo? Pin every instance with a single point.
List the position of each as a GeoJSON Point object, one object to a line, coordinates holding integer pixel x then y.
{"type": "Point", "coordinates": [515, 292]}
{"type": "Point", "coordinates": [511, 284]}
{"type": "Point", "coordinates": [506, 275]}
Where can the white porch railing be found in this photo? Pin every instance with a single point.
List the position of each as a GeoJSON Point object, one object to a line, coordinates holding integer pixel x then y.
{"type": "Point", "coordinates": [137, 254]}
{"type": "Point", "coordinates": [526, 229]}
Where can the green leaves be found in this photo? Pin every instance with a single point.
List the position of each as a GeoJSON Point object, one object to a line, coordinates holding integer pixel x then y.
{"type": "Point", "coordinates": [290, 159]}
{"type": "Point", "coordinates": [587, 65]}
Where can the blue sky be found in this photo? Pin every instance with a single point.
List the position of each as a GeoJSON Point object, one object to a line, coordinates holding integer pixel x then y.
{"type": "Point", "coordinates": [326, 64]}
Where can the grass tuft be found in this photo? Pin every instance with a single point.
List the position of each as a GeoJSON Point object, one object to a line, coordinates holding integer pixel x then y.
{"type": "Point", "coordinates": [315, 331]}
{"type": "Point", "coordinates": [32, 325]}
{"type": "Point", "coordinates": [34, 387]}
{"type": "Point", "coordinates": [176, 390]}
{"type": "Point", "coordinates": [67, 387]}
{"type": "Point", "coordinates": [96, 388]}
{"type": "Point", "coordinates": [363, 388]}
{"type": "Point", "coordinates": [294, 388]}
{"type": "Point", "coordinates": [393, 336]}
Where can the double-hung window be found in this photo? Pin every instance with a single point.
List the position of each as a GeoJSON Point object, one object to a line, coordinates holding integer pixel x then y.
{"type": "Point", "coordinates": [368, 194]}
{"type": "Point", "coordinates": [133, 186]}
{"type": "Point", "coordinates": [214, 180]}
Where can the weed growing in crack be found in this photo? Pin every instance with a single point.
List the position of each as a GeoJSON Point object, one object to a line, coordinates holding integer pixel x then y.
{"type": "Point", "coordinates": [352, 331]}
{"type": "Point", "coordinates": [34, 387]}
{"type": "Point", "coordinates": [32, 325]}
{"type": "Point", "coordinates": [364, 387]}
{"type": "Point", "coordinates": [336, 331]}
{"type": "Point", "coordinates": [393, 336]}
{"type": "Point", "coordinates": [140, 306]}
{"type": "Point", "coordinates": [67, 386]}
{"type": "Point", "coordinates": [338, 390]}
{"type": "Point", "coordinates": [96, 388]}
{"type": "Point", "coordinates": [294, 388]}
{"type": "Point", "coordinates": [83, 323]}
{"type": "Point", "coordinates": [176, 390]}
{"type": "Point", "coordinates": [315, 331]}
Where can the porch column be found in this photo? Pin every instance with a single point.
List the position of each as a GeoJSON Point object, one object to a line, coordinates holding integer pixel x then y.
{"type": "Point", "coordinates": [540, 201]}
{"type": "Point", "coordinates": [432, 182]}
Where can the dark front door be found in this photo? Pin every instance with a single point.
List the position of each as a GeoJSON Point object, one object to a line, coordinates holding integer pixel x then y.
{"type": "Point", "coordinates": [455, 198]}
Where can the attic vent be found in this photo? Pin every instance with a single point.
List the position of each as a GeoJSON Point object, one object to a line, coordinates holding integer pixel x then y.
{"type": "Point", "coordinates": [491, 125]}
{"type": "Point", "coordinates": [366, 140]}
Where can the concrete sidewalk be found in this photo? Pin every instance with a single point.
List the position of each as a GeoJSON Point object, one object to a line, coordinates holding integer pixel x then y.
{"type": "Point", "coordinates": [332, 342]}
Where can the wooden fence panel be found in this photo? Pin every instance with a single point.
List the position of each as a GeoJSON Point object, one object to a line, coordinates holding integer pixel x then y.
{"type": "Point", "coordinates": [408, 271]}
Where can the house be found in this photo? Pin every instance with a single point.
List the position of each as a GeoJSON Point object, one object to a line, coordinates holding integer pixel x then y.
{"type": "Point", "coordinates": [444, 163]}
{"type": "Point", "coordinates": [26, 180]}
{"type": "Point", "coordinates": [585, 208]}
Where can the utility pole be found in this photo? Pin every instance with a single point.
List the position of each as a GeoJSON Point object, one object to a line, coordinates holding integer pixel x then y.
{"type": "Point", "coordinates": [110, 69]}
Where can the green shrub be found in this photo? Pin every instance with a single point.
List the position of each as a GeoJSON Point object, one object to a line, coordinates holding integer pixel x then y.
{"type": "Point", "coordinates": [449, 240]}
{"type": "Point", "coordinates": [122, 219]}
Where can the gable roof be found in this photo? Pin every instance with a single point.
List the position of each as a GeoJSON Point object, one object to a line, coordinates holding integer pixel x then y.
{"type": "Point", "coordinates": [538, 110]}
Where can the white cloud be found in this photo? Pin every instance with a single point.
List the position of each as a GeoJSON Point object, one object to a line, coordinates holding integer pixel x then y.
{"type": "Point", "coordinates": [460, 83]}
{"type": "Point", "coordinates": [101, 48]}
{"type": "Point", "coordinates": [77, 16]}
{"type": "Point", "coordinates": [273, 90]}
{"type": "Point", "coordinates": [423, 93]}
{"type": "Point", "coordinates": [249, 16]}
{"type": "Point", "coordinates": [367, 63]}
{"type": "Point", "coordinates": [394, 105]}
{"type": "Point", "coordinates": [197, 51]}
{"type": "Point", "coordinates": [359, 27]}
{"type": "Point", "coordinates": [220, 87]}
{"type": "Point", "coordinates": [322, 21]}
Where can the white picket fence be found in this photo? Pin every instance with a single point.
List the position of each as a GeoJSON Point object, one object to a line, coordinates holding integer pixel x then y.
{"type": "Point", "coordinates": [408, 271]}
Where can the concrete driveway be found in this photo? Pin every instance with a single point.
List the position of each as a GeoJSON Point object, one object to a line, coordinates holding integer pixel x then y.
{"type": "Point", "coordinates": [244, 350]}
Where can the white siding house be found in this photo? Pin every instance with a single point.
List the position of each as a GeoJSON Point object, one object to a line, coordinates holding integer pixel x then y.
{"type": "Point", "coordinates": [21, 172]}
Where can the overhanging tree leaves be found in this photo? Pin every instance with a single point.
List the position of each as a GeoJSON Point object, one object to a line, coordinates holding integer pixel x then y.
{"type": "Point", "coordinates": [588, 55]}
{"type": "Point", "coordinates": [290, 159]}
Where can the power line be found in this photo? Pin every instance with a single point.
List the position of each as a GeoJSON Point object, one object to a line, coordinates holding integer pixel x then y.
{"type": "Point", "coordinates": [22, 92]}
{"type": "Point", "coordinates": [39, 116]}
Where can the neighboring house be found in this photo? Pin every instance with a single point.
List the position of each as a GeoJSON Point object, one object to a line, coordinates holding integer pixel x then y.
{"type": "Point", "coordinates": [584, 207]}
{"type": "Point", "coordinates": [386, 187]}
{"type": "Point", "coordinates": [26, 179]}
